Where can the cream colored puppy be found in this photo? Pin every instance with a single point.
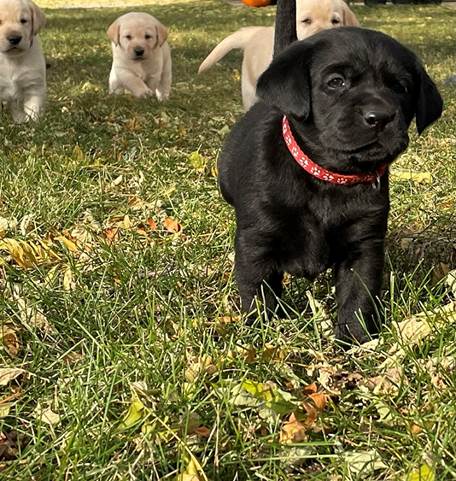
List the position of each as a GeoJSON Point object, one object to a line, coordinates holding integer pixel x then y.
{"type": "Point", "coordinates": [141, 57]}
{"type": "Point", "coordinates": [22, 64]}
{"type": "Point", "coordinates": [258, 42]}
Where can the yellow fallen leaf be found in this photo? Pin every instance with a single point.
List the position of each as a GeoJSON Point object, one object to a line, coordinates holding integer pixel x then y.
{"type": "Point", "coordinates": [5, 409]}
{"type": "Point", "coordinates": [423, 473]}
{"type": "Point", "coordinates": [68, 243]}
{"type": "Point", "coordinates": [135, 413]}
{"type": "Point", "coordinates": [192, 471]}
{"type": "Point", "coordinates": [418, 177]}
{"type": "Point", "coordinates": [8, 374]}
{"type": "Point", "coordinates": [68, 280]}
{"type": "Point", "coordinates": [27, 254]}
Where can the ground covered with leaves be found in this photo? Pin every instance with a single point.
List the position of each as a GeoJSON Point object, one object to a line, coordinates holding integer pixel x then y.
{"type": "Point", "coordinates": [122, 352]}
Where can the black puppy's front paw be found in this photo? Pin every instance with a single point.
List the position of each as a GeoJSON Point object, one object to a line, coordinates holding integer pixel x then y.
{"type": "Point", "coordinates": [347, 335]}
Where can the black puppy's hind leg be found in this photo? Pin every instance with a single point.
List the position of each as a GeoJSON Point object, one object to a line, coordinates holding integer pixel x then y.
{"type": "Point", "coordinates": [358, 285]}
{"type": "Point", "coordinates": [256, 275]}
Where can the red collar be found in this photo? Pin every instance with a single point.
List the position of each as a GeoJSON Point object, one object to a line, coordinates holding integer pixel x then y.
{"type": "Point", "coordinates": [321, 173]}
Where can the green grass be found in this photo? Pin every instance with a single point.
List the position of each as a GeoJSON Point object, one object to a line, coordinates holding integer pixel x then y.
{"type": "Point", "coordinates": [138, 305]}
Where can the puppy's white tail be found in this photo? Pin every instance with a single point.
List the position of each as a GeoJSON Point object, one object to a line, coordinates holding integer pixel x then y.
{"type": "Point", "coordinates": [238, 39]}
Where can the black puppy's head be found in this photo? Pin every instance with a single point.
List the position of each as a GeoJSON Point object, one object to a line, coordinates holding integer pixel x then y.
{"type": "Point", "coordinates": [355, 90]}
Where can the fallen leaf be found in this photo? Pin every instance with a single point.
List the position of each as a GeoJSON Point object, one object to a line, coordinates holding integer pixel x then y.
{"type": "Point", "coordinates": [68, 243]}
{"type": "Point", "coordinates": [172, 225]}
{"type": "Point", "coordinates": [68, 280]}
{"type": "Point", "coordinates": [27, 254]}
{"type": "Point", "coordinates": [202, 432]}
{"type": "Point", "coordinates": [363, 463]}
{"type": "Point", "coordinates": [451, 281]}
{"type": "Point", "coordinates": [136, 412]}
{"type": "Point", "coordinates": [423, 473]}
{"type": "Point", "coordinates": [191, 472]}
{"type": "Point", "coordinates": [8, 374]}
{"type": "Point", "coordinates": [197, 161]}
{"type": "Point", "coordinates": [47, 416]}
{"type": "Point", "coordinates": [293, 431]}
{"type": "Point", "coordinates": [151, 223]}
{"type": "Point", "coordinates": [10, 339]}
{"type": "Point", "coordinates": [203, 365]}
{"type": "Point", "coordinates": [112, 234]}
{"type": "Point", "coordinates": [418, 177]}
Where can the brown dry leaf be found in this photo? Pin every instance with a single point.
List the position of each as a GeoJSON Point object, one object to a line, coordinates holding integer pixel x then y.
{"type": "Point", "coordinates": [320, 400]}
{"type": "Point", "coordinates": [28, 254]}
{"type": "Point", "coordinates": [202, 432]}
{"type": "Point", "coordinates": [151, 223]}
{"type": "Point", "coordinates": [413, 330]}
{"type": "Point", "coordinates": [293, 431]}
{"type": "Point", "coordinates": [111, 234]}
{"type": "Point", "coordinates": [171, 225]}
{"type": "Point", "coordinates": [310, 389]}
{"type": "Point", "coordinates": [388, 382]}
{"type": "Point", "coordinates": [10, 340]}
{"type": "Point", "coordinates": [203, 365]}
{"type": "Point", "coordinates": [8, 374]}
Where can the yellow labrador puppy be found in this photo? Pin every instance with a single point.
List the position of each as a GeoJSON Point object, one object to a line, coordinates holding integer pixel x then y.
{"type": "Point", "coordinates": [141, 61]}
{"type": "Point", "coordinates": [22, 64]}
{"type": "Point", "coordinates": [258, 42]}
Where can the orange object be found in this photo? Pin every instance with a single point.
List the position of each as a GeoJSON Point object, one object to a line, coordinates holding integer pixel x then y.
{"type": "Point", "coordinates": [257, 3]}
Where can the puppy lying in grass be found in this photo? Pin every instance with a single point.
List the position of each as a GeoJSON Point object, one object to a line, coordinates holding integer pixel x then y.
{"type": "Point", "coordinates": [141, 57]}
{"type": "Point", "coordinates": [306, 169]}
{"type": "Point", "coordinates": [22, 64]}
{"type": "Point", "coordinates": [257, 43]}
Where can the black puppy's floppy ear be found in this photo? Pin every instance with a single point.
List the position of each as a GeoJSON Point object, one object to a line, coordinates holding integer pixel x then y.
{"type": "Point", "coordinates": [286, 84]}
{"type": "Point", "coordinates": [429, 103]}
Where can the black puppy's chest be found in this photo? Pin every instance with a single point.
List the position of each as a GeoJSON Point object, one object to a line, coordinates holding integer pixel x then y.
{"type": "Point", "coordinates": [317, 234]}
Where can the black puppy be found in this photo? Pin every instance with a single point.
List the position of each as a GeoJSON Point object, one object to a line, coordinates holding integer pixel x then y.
{"type": "Point", "coordinates": [306, 169]}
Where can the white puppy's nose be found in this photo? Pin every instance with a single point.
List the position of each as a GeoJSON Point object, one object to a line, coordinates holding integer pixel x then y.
{"type": "Point", "coordinates": [14, 39]}
{"type": "Point", "coordinates": [139, 51]}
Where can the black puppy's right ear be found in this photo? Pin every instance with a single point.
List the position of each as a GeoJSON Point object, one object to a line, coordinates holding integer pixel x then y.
{"type": "Point", "coordinates": [286, 85]}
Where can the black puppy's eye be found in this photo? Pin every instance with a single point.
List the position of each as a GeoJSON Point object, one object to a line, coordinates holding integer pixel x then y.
{"type": "Point", "coordinates": [400, 88]}
{"type": "Point", "coordinates": [336, 82]}
{"type": "Point", "coordinates": [23, 20]}
{"type": "Point", "coordinates": [335, 21]}
{"type": "Point", "coordinates": [307, 21]}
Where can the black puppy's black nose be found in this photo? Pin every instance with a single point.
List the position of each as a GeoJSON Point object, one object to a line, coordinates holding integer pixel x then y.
{"type": "Point", "coordinates": [139, 51]}
{"type": "Point", "coordinates": [378, 117]}
{"type": "Point", "coordinates": [14, 39]}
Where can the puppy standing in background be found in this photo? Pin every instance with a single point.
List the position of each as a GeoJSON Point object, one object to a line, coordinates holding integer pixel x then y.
{"type": "Point", "coordinates": [22, 64]}
{"type": "Point", "coordinates": [141, 56]}
{"type": "Point", "coordinates": [257, 43]}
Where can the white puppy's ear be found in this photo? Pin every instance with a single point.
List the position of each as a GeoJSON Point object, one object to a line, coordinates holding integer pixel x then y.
{"type": "Point", "coordinates": [113, 32]}
{"type": "Point", "coordinates": [38, 18]}
{"type": "Point", "coordinates": [162, 33]}
{"type": "Point", "coordinates": [349, 18]}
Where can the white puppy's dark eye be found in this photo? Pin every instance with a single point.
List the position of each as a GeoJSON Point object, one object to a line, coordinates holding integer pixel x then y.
{"type": "Point", "coordinates": [147, 36]}
{"type": "Point", "coordinates": [24, 20]}
{"type": "Point", "coordinates": [307, 21]}
{"type": "Point", "coordinates": [128, 37]}
{"type": "Point", "coordinates": [336, 82]}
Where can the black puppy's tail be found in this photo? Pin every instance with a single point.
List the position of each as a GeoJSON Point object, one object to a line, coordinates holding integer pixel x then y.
{"type": "Point", "coordinates": [285, 25]}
